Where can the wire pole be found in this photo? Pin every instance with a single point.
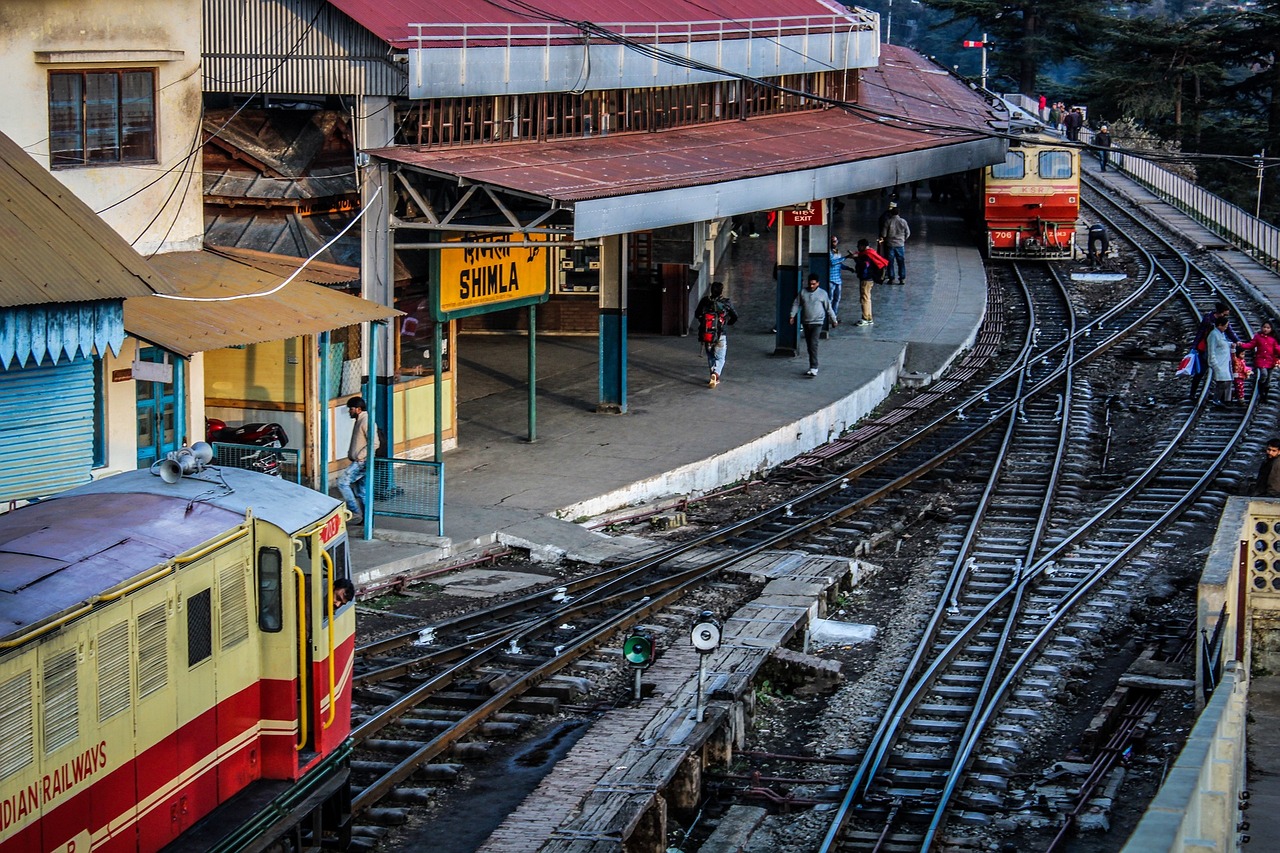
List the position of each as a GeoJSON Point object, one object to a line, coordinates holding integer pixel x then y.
{"type": "Point", "coordinates": [1262, 159]}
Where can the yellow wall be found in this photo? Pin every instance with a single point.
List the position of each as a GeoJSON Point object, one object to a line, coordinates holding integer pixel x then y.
{"type": "Point", "coordinates": [415, 410]}
{"type": "Point", "coordinates": [259, 373]}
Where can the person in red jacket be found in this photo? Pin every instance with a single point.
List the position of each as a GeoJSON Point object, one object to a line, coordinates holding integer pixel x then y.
{"type": "Point", "coordinates": [1266, 351]}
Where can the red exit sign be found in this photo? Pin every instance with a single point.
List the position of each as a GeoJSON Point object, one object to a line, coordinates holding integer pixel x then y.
{"type": "Point", "coordinates": [803, 214]}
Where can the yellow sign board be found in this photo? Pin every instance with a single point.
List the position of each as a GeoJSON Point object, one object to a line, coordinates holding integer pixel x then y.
{"type": "Point", "coordinates": [478, 278]}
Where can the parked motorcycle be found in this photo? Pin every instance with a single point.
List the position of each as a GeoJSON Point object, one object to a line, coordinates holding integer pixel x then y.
{"type": "Point", "coordinates": [264, 435]}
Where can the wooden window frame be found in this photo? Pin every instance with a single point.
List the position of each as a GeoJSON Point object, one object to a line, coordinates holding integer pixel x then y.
{"type": "Point", "coordinates": [73, 116]}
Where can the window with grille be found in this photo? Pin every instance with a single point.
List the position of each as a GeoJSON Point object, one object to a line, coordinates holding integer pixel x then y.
{"type": "Point", "coordinates": [234, 605]}
{"type": "Point", "coordinates": [153, 650]}
{"type": "Point", "coordinates": [16, 731]}
{"type": "Point", "coordinates": [102, 117]}
{"type": "Point", "coordinates": [113, 671]}
{"type": "Point", "coordinates": [1013, 167]}
{"type": "Point", "coordinates": [199, 627]}
{"type": "Point", "coordinates": [61, 701]}
{"type": "Point", "coordinates": [1055, 164]}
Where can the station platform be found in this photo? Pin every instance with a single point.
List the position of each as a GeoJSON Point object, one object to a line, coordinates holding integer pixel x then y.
{"type": "Point", "coordinates": [678, 436]}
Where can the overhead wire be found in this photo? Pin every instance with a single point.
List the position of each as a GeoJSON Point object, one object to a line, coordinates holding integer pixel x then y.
{"type": "Point", "coordinates": [277, 288]}
{"type": "Point", "coordinates": [908, 123]}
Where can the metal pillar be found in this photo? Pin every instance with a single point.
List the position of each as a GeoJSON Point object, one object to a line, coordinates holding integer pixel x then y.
{"type": "Point", "coordinates": [789, 284]}
{"type": "Point", "coordinates": [322, 466]}
{"type": "Point", "coordinates": [533, 373]}
{"type": "Point", "coordinates": [613, 325]}
{"type": "Point", "coordinates": [371, 400]}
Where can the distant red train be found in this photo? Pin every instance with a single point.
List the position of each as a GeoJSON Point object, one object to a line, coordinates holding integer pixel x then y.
{"type": "Point", "coordinates": [1031, 201]}
{"type": "Point", "coordinates": [174, 670]}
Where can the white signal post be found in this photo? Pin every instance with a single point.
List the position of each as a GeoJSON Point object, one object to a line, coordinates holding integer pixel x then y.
{"type": "Point", "coordinates": [984, 44]}
{"type": "Point", "coordinates": [706, 639]}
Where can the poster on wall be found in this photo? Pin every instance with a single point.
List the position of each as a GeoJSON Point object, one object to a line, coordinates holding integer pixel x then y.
{"type": "Point", "coordinates": [478, 279]}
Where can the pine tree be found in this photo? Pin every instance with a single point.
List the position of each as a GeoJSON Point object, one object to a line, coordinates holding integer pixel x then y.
{"type": "Point", "coordinates": [1032, 33]}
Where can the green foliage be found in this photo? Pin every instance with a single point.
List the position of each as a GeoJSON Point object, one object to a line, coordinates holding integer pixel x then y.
{"type": "Point", "coordinates": [1029, 34]}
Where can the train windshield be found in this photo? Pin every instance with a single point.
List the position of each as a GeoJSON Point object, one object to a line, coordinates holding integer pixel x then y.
{"type": "Point", "coordinates": [1014, 166]}
{"type": "Point", "coordinates": [1055, 164]}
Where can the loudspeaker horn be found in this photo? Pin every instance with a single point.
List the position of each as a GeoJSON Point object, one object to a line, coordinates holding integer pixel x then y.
{"type": "Point", "coordinates": [170, 471]}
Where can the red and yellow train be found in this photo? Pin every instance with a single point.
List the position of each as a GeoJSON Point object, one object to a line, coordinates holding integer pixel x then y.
{"type": "Point", "coordinates": [1031, 201]}
{"type": "Point", "coordinates": [174, 671]}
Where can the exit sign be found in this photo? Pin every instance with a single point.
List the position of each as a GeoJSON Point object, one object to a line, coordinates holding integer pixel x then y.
{"type": "Point", "coordinates": [803, 214]}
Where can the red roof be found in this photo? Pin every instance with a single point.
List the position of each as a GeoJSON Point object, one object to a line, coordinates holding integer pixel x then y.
{"type": "Point", "coordinates": [390, 19]}
{"type": "Point", "coordinates": [906, 104]}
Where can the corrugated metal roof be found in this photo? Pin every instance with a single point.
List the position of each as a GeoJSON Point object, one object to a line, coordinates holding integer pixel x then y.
{"type": "Point", "coordinates": [56, 248]}
{"type": "Point", "coordinates": [906, 104]}
{"type": "Point", "coordinates": [277, 232]}
{"type": "Point", "coordinates": [390, 19]}
{"type": "Point", "coordinates": [184, 327]}
{"type": "Point", "coordinates": [316, 272]}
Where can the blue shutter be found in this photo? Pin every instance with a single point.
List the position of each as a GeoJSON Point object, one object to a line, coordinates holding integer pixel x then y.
{"type": "Point", "coordinates": [46, 428]}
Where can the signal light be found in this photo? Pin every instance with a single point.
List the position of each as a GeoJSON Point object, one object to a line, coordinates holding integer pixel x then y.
{"type": "Point", "coordinates": [637, 649]}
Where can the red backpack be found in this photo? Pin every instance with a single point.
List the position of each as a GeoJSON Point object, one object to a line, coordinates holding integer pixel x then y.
{"type": "Point", "coordinates": [711, 324]}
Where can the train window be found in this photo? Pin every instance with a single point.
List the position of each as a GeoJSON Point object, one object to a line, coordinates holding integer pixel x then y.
{"type": "Point", "coordinates": [199, 627]}
{"type": "Point", "coordinates": [16, 730]}
{"type": "Point", "coordinates": [113, 671]}
{"type": "Point", "coordinates": [1054, 164]}
{"type": "Point", "coordinates": [270, 603]}
{"type": "Point", "coordinates": [233, 605]}
{"type": "Point", "coordinates": [1013, 167]}
{"type": "Point", "coordinates": [61, 701]}
{"type": "Point", "coordinates": [153, 650]}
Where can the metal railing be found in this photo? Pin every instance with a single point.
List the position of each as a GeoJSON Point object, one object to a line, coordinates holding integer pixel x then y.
{"type": "Point", "coordinates": [661, 32]}
{"type": "Point", "coordinates": [1211, 655]}
{"type": "Point", "coordinates": [284, 461]}
{"type": "Point", "coordinates": [409, 488]}
{"type": "Point", "coordinates": [1229, 221]}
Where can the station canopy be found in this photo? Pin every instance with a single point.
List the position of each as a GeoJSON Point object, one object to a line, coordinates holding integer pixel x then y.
{"type": "Point", "coordinates": [913, 121]}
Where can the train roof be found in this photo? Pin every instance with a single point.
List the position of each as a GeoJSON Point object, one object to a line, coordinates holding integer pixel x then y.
{"type": "Point", "coordinates": [59, 553]}
{"type": "Point", "coordinates": [286, 505]}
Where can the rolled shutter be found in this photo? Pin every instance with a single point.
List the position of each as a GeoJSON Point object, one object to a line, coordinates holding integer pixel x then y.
{"type": "Point", "coordinates": [46, 428]}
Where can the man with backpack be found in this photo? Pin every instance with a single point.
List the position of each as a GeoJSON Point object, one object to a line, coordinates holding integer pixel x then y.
{"type": "Point", "coordinates": [713, 314]}
{"type": "Point", "coordinates": [869, 266]}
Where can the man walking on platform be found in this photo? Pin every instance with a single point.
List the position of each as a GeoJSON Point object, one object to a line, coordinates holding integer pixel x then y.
{"type": "Point", "coordinates": [363, 440]}
{"type": "Point", "coordinates": [1102, 139]}
{"type": "Point", "coordinates": [814, 307]}
{"type": "Point", "coordinates": [713, 314]}
{"type": "Point", "coordinates": [869, 266]}
{"type": "Point", "coordinates": [895, 235]}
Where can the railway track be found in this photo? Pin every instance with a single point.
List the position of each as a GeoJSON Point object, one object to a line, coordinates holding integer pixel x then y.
{"type": "Point", "coordinates": [951, 733]}
{"type": "Point", "coordinates": [1012, 578]}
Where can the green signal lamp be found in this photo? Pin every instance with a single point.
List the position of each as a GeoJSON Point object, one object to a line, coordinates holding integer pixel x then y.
{"type": "Point", "coordinates": [638, 649]}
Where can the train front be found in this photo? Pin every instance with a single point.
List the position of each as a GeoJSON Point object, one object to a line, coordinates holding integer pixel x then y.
{"type": "Point", "coordinates": [1031, 201]}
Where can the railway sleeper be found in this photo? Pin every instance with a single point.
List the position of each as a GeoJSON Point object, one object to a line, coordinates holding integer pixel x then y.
{"type": "Point", "coordinates": [412, 796]}
{"type": "Point", "coordinates": [899, 842]}
{"type": "Point", "coordinates": [937, 709]}
{"type": "Point", "coordinates": [385, 816]}
{"type": "Point", "coordinates": [939, 761]}
{"type": "Point", "coordinates": [488, 728]}
{"type": "Point", "coordinates": [982, 802]}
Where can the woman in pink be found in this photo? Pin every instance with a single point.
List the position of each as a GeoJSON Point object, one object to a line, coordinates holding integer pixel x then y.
{"type": "Point", "coordinates": [1266, 351]}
